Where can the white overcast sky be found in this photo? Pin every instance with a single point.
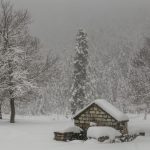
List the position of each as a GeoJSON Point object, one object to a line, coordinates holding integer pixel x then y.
{"type": "Point", "coordinates": [56, 22]}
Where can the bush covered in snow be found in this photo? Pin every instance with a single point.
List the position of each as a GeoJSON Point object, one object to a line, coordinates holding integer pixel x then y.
{"type": "Point", "coordinates": [125, 138]}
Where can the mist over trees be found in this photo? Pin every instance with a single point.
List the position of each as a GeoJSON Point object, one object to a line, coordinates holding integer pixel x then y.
{"type": "Point", "coordinates": [113, 67]}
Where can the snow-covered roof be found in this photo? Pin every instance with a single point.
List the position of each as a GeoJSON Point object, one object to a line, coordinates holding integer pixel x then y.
{"type": "Point", "coordinates": [107, 107]}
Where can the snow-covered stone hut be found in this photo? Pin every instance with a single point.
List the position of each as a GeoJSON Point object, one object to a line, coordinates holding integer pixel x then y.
{"type": "Point", "coordinates": [101, 113]}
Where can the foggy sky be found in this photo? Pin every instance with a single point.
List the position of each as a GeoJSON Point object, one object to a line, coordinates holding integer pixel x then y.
{"type": "Point", "coordinates": [56, 22]}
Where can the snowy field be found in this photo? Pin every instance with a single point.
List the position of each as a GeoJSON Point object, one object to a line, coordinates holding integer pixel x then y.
{"type": "Point", "coordinates": [36, 133]}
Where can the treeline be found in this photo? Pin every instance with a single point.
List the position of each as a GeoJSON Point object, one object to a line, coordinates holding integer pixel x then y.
{"type": "Point", "coordinates": [33, 83]}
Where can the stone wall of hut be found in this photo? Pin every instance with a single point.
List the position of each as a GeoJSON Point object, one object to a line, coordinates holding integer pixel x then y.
{"type": "Point", "coordinates": [100, 117]}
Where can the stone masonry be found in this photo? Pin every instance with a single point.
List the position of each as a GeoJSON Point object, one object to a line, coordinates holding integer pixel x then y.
{"type": "Point", "coordinates": [97, 115]}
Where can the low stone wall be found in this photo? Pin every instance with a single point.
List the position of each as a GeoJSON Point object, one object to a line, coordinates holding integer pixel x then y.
{"type": "Point", "coordinates": [69, 136]}
{"type": "Point", "coordinates": [58, 136]}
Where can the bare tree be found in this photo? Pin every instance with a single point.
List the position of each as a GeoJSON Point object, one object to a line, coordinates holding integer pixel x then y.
{"type": "Point", "coordinates": [13, 25]}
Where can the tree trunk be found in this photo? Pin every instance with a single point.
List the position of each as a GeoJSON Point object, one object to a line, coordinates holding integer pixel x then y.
{"type": "Point", "coordinates": [12, 107]}
{"type": "Point", "coordinates": [146, 110]}
{"type": "Point", "coordinates": [0, 111]}
{"type": "Point", "coordinates": [145, 114]}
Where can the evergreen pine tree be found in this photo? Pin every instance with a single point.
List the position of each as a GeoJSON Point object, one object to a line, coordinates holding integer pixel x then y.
{"type": "Point", "coordinates": [80, 74]}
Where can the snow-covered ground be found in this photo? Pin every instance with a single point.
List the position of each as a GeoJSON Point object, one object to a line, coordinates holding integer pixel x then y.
{"type": "Point", "coordinates": [36, 133]}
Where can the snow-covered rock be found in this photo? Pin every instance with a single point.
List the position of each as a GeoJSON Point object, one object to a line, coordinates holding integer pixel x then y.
{"type": "Point", "coordinates": [97, 132]}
